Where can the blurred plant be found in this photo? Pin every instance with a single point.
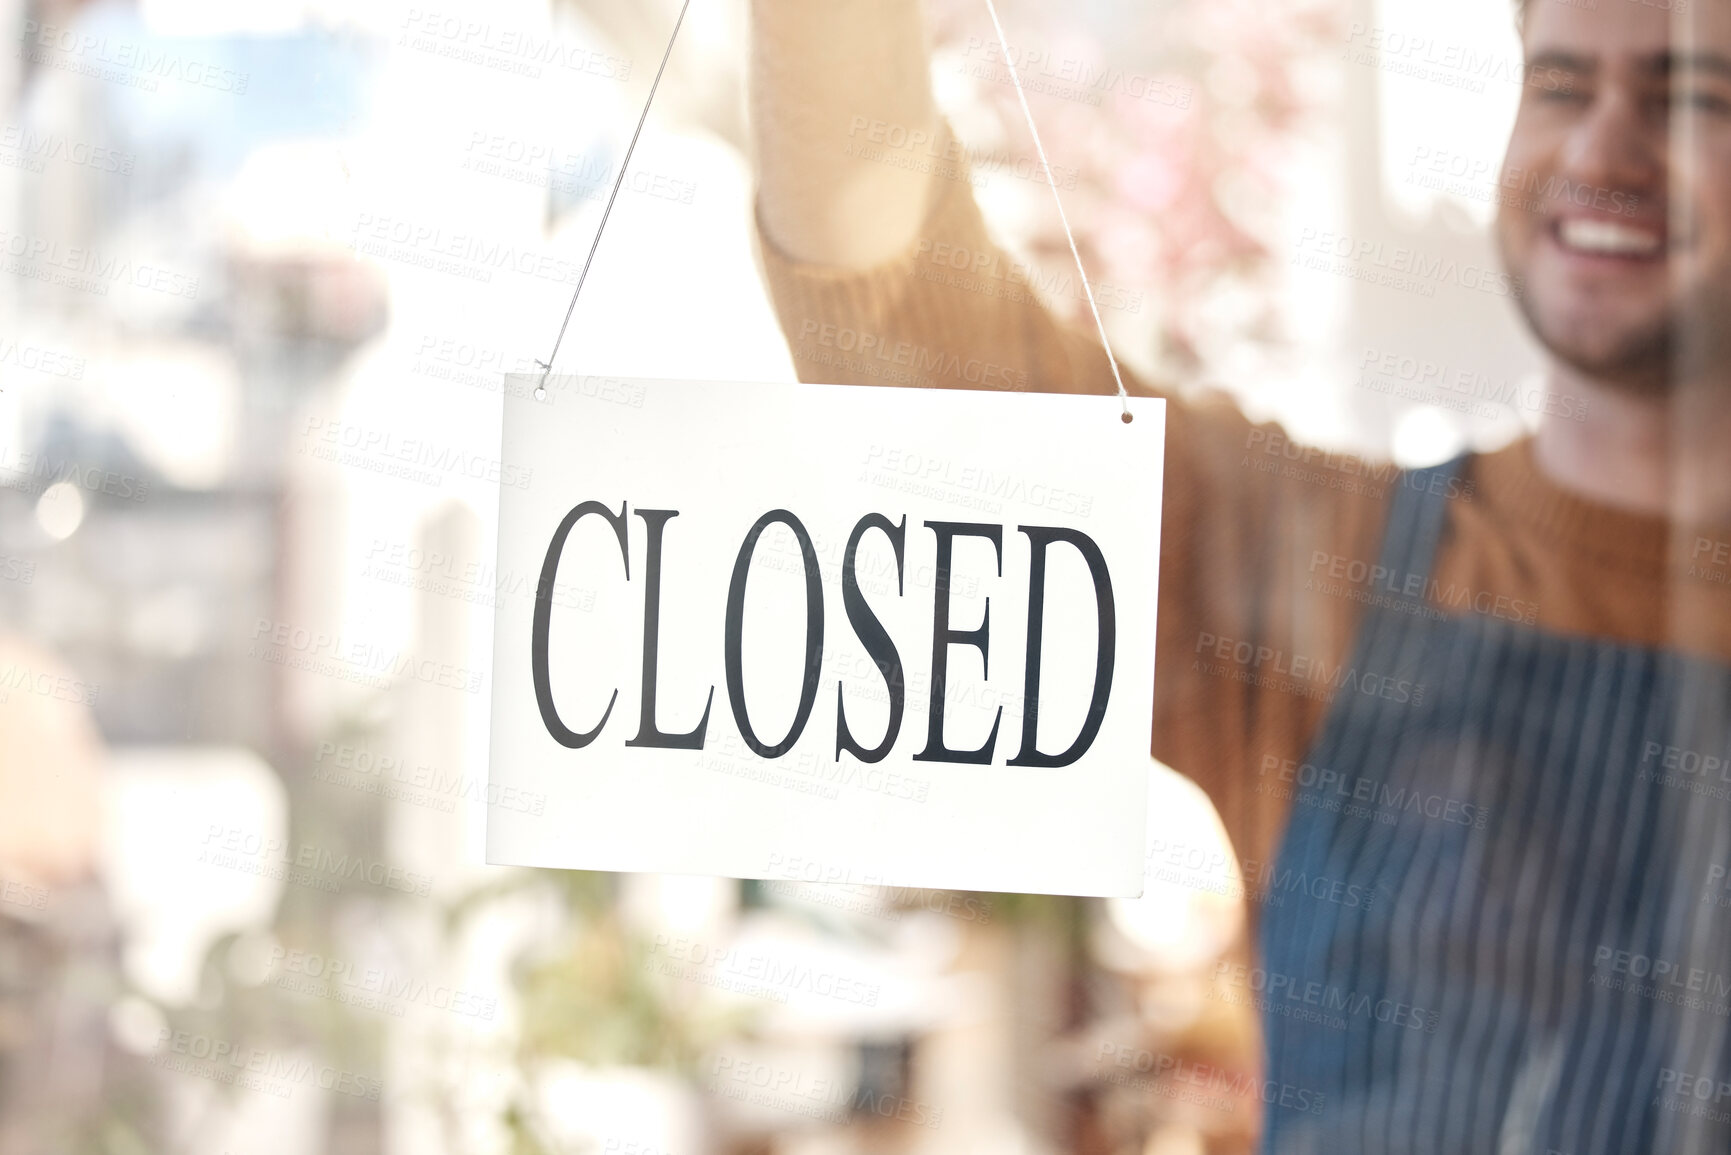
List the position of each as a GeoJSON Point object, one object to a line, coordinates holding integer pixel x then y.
{"type": "Point", "coordinates": [589, 995]}
{"type": "Point", "coordinates": [1174, 187]}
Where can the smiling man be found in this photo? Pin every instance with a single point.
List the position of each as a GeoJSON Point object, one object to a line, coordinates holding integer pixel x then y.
{"type": "Point", "coordinates": [1494, 695]}
{"type": "Point", "coordinates": [1632, 305]}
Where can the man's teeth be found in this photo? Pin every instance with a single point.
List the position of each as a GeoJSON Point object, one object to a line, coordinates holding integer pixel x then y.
{"type": "Point", "coordinates": [1594, 236]}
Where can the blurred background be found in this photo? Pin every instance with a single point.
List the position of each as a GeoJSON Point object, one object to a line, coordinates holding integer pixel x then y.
{"type": "Point", "coordinates": [266, 264]}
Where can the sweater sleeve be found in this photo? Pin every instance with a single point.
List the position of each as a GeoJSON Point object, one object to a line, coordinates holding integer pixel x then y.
{"type": "Point", "coordinates": [1239, 520]}
{"type": "Point", "coordinates": [952, 311]}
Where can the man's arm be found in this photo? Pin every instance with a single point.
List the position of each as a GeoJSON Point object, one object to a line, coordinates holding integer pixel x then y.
{"type": "Point", "coordinates": [816, 65]}
{"type": "Point", "coordinates": [876, 256]}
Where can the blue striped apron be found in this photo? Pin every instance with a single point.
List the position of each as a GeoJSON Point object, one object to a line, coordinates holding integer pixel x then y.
{"type": "Point", "coordinates": [1504, 916]}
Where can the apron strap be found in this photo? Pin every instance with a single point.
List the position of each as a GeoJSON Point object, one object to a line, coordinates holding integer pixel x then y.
{"type": "Point", "coordinates": [1415, 521]}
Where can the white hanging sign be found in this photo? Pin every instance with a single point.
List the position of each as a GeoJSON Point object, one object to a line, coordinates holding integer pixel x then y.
{"type": "Point", "coordinates": [869, 635]}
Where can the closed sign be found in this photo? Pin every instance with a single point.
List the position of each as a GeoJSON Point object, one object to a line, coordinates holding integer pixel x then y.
{"type": "Point", "coordinates": [900, 635]}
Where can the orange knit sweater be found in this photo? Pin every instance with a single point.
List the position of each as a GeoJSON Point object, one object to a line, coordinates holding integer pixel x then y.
{"type": "Point", "coordinates": [1266, 546]}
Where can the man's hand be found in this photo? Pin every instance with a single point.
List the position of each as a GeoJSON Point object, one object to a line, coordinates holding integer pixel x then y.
{"type": "Point", "coordinates": [821, 68]}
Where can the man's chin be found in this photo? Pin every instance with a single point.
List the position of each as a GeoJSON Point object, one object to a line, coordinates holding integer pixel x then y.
{"type": "Point", "coordinates": [1638, 357]}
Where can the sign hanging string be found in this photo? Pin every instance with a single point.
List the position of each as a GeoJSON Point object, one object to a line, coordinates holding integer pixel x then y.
{"type": "Point", "coordinates": [1045, 167]}
{"type": "Point", "coordinates": [618, 182]}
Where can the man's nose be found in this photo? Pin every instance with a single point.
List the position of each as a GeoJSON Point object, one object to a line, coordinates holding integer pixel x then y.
{"type": "Point", "coordinates": [1615, 147]}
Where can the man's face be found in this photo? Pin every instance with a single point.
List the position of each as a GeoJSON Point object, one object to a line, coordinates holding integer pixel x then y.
{"type": "Point", "coordinates": [1622, 153]}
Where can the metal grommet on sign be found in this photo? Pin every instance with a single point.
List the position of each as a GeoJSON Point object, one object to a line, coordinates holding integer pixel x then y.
{"type": "Point", "coordinates": [1051, 183]}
